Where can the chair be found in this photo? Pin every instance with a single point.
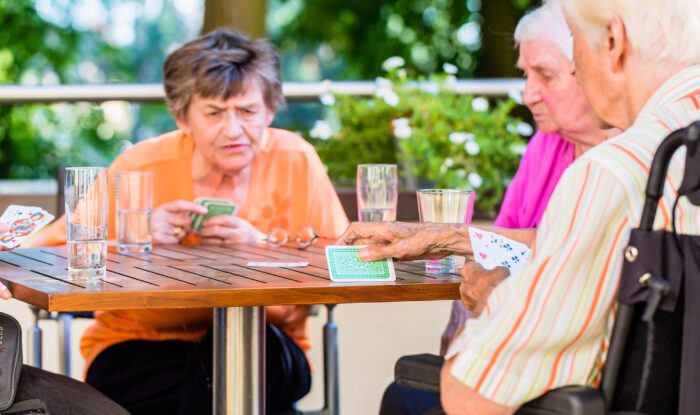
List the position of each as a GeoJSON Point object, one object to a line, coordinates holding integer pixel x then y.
{"type": "Point", "coordinates": [652, 364]}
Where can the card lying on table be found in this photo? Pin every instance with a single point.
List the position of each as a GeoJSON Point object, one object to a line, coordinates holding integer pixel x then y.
{"type": "Point", "coordinates": [215, 207]}
{"type": "Point", "coordinates": [492, 250]}
{"type": "Point", "coordinates": [275, 264]}
{"type": "Point", "coordinates": [344, 265]}
{"type": "Point", "coordinates": [23, 221]}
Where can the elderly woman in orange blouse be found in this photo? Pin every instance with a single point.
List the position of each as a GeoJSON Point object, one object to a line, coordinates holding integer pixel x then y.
{"type": "Point", "coordinates": [223, 90]}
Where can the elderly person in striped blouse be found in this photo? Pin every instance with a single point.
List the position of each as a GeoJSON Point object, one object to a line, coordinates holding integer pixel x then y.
{"type": "Point", "coordinates": [638, 61]}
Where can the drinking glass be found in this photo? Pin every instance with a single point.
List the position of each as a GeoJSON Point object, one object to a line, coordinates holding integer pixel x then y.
{"type": "Point", "coordinates": [377, 192]}
{"type": "Point", "coordinates": [134, 206]}
{"type": "Point", "coordinates": [444, 206]}
{"type": "Point", "coordinates": [86, 199]}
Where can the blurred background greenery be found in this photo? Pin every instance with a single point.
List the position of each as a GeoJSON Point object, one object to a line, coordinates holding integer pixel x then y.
{"type": "Point", "coordinates": [47, 42]}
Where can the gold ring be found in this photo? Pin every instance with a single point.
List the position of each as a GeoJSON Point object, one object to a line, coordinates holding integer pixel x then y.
{"type": "Point", "coordinates": [177, 231]}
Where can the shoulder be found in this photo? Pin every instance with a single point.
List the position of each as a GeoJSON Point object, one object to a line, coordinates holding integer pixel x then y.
{"type": "Point", "coordinates": [167, 148]}
{"type": "Point", "coordinates": [288, 148]}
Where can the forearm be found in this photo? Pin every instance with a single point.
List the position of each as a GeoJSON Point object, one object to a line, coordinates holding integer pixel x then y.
{"type": "Point", "coordinates": [526, 236]}
{"type": "Point", "coordinates": [453, 239]}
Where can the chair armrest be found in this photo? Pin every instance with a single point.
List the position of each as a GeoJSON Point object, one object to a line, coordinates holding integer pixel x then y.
{"type": "Point", "coordinates": [570, 400]}
{"type": "Point", "coordinates": [420, 371]}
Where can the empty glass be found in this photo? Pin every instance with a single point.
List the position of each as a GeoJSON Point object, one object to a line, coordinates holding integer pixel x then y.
{"type": "Point", "coordinates": [377, 192]}
{"type": "Point", "coordinates": [134, 205]}
{"type": "Point", "coordinates": [86, 198]}
{"type": "Point", "coordinates": [444, 206]}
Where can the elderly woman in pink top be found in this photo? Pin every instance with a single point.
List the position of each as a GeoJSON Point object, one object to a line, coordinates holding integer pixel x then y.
{"type": "Point", "coordinates": [567, 129]}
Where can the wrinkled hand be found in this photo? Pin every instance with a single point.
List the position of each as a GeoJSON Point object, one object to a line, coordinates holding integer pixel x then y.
{"type": "Point", "coordinates": [171, 221]}
{"type": "Point", "coordinates": [229, 229]}
{"type": "Point", "coordinates": [477, 284]}
{"type": "Point", "coordinates": [5, 294]}
{"type": "Point", "coordinates": [405, 241]}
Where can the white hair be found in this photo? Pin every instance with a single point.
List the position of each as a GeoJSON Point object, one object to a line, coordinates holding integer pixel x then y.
{"type": "Point", "coordinates": [658, 30]}
{"type": "Point", "coordinates": [546, 22]}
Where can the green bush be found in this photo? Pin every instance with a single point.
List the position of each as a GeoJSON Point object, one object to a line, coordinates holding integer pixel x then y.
{"type": "Point", "coordinates": [438, 137]}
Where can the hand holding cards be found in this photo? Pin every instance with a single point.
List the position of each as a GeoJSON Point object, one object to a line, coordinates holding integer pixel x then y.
{"type": "Point", "coordinates": [345, 266]}
{"type": "Point", "coordinates": [23, 221]}
{"type": "Point", "coordinates": [215, 207]}
{"type": "Point", "coordinates": [492, 250]}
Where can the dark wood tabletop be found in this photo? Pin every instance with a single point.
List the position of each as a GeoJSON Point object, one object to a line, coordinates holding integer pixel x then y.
{"type": "Point", "coordinates": [174, 276]}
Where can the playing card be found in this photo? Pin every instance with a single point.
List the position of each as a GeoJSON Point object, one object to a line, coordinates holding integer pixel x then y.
{"type": "Point", "coordinates": [268, 264]}
{"type": "Point", "coordinates": [481, 247]}
{"type": "Point", "coordinates": [344, 265]}
{"type": "Point", "coordinates": [23, 221]}
{"type": "Point", "coordinates": [215, 207]}
{"type": "Point", "coordinates": [492, 250]}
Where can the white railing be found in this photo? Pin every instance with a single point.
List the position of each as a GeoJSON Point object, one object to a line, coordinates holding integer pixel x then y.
{"type": "Point", "coordinates": [293, 91]}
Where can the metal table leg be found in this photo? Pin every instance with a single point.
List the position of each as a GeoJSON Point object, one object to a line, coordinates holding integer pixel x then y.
{"type": "Point", "coordinates": [239, 361]}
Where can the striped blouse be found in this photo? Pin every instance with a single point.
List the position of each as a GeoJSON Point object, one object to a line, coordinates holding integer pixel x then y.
{"type": "Point", "coordinates": [549, 326]}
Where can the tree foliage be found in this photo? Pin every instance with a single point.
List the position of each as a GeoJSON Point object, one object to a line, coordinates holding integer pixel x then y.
{"type": "Point", "coordinates": [353, 38]}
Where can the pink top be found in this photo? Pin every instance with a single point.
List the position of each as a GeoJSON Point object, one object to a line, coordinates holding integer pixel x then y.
{"type": "Point", "coordinates": [544, 161]}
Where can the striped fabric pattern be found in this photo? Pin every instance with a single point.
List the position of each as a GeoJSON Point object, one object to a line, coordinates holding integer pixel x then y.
{"type": "Point", "coordinates": [549, 326]}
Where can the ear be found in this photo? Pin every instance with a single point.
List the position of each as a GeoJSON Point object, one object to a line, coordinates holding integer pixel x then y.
{"type": "Point", "coordinates": [183, 126]}
{"type": "Point", "coordinates": [269, 117]}
{"type": "Point", "coordinates": [617, 44]}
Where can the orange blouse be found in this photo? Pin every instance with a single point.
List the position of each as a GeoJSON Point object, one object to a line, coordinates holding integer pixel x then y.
{"type": "Point", "coordinates": [289, 188]}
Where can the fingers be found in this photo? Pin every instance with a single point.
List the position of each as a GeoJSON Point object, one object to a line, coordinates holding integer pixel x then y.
{"type": "Point", "coordinates": [5, 294]}
{"type": "Point", "coordinates": [183, 206]}
{"type": "Point", "coordinates": [165, 233]}
{"type": "Point", "coordinates": [229, 221]}
{"type": "Point", "coordinates": [171, 221]}
{"type": "Point", "coordinates": [376, 252]}
{"type": "Point", "coordinates": [4, 227]}
{"type": "Point", "coordinates": [360, 233]}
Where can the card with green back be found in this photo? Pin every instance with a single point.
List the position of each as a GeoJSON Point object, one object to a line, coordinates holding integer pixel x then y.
{"type": "Point", "coordinates": [344, 265]}
{"type": "Point", "coordinates": [215, 207]}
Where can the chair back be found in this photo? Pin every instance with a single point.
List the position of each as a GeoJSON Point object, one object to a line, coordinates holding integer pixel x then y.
{"type": "Point", "coordinates": [652, 365]}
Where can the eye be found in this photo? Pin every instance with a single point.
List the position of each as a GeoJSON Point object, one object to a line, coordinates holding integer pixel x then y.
{"type": "Point", "coordinates": [213, 113]}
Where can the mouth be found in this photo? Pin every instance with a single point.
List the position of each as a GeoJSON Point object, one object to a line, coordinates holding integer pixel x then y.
{"type": "Point", "coordinates": [234, 148]}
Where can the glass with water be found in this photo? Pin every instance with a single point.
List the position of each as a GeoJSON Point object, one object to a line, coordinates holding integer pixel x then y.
{"type": "Point", "coordinates": [377, 192]}
{"type": "Point", "coordinates": [86, 200]}
{"type": "Point", "coordinates": [134, 205]}
{"type": "Point", "coordinates": [444, 206]}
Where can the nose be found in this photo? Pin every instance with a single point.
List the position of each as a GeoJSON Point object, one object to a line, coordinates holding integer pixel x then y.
{"type": "Point", "coordinates": [232, 125]}
{"type": "Point", "coordinates": [531, 93]}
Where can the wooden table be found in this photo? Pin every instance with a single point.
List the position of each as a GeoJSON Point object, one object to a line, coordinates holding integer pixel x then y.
{"type": "Point", "coordinates": [216, 277]}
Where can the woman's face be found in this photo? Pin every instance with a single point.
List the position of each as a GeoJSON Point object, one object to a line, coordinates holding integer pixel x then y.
{"type": "Point", "coordinates": [552, 93]}
{"type": "Point", "coordinates": [227, 133]}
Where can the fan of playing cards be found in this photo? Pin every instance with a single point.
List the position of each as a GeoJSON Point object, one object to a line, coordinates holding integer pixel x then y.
{"type": "Point", "coordinates": [215, 207]}
{"type": "Point", "coordinates": [23, 221]}
{"type": "Point", "coordinates": [492, 250]}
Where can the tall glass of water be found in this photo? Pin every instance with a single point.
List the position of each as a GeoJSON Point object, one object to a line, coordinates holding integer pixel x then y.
{"type": "Point", "coordinates": [134, 204]}
{"type": "Point", "coordinates": [444, 206]}
{"type": "Point", "coordinates": [377, 192]}
{"type": "Point", "coordinates": [86, 197]}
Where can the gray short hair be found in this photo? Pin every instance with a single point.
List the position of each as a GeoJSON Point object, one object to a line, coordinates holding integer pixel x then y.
{"type": "Point", "coordinates": [220, 64]}
{"type": "Point", "coordinates": [546, 22]}
{"type": "Point", "coordinates": [658, 30]}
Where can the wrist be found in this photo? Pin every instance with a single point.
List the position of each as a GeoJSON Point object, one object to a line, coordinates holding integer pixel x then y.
{"type": "Point", "coordinates": [451, 239]}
